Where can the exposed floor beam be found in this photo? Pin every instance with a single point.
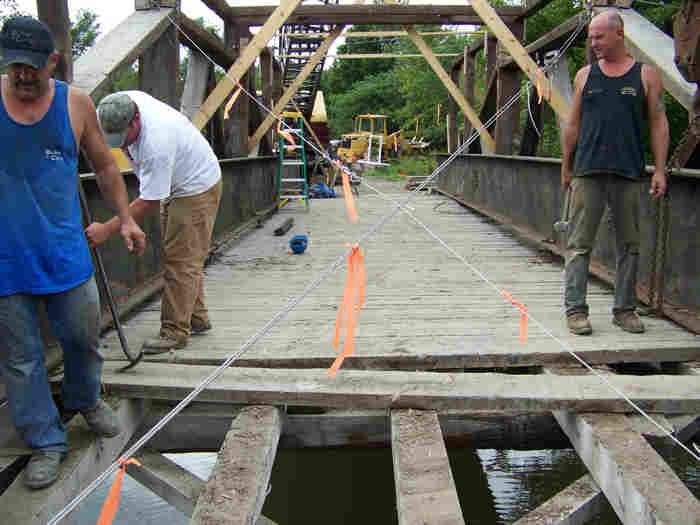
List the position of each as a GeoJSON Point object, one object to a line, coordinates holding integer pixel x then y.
{"type": "Point", "coordinates": [457, 95]}
{"type": "Point", "coordinates": [577, 504]}
{"type": "Point", "coordinates": [271, 118]}
{"type": "Point", "coordinates": [419, 390]}
{"type": "Point", "coordinates": [236, 490]}
{"type": "Point", "coordinates": [636, 481]}
{"type": "Point", "coordinates": [425, 489]}
{"type": "Point", "coordinates": [244, 61]}
{"type": "Point", "coordinates": [88, 457]}
{"type": "Point", "coordinates": [165, 478]}
{"type": "Point", "coordinates": [202, 427]}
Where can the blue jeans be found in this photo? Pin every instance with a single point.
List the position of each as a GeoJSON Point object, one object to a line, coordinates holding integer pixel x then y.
{"type": "Point", "coordinates": [589, 195]}
{"type": "Point", "coordinates": [75, 320]}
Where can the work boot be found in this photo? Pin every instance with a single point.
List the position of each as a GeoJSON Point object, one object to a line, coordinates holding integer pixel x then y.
{"type": "Point", "coordinates": [629, 321]}
{"type": "Point", "coordinates": [162, 344]}
{"type": "Point", "coordinates": [42, 469]}
{"type": "Point", "coordinates": [200, 328]}
{"type": "Point", "coordinates": [102, 420]}
{"type": "Point", "coordinates": [578, 324]}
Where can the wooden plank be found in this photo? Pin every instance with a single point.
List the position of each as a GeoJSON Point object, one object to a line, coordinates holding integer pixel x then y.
{"type": "Point", "coordinates": [639, 485]}
{"type": "Point", "coordinates": [453, 90]}
{"type": "Point", "coordinates": [194, 36]}
{"type": "Point", "coordinates": [236, 490]}
{"type": "Point", "coordinates": [552, 39]}
{"type": "Point", "coordinates": [87, 458]}
{"type": "Point", "coordinates": [248, 56]}
{"type": "Point", "coordinates": [419, 390]}
{"type": "Point", "coordinates": [517, 51]}
{"type": "Point", "coordinates": [355, 14]}
{"type": "Point", "coordinates": [195, 84]}
{"type": "Point", "coordinates": [165, 478]}
{"type": "Point", "coordinates": [94, 71]}
{"type": "Point", "coordinates": [271, 118]}
{"type": "Point", "coordinates": [367, 56]}
{"type": "Point", "coordinates": [425, 489]}
{"type": "Point", "coordinates": [577, 504]}
{"type": "Point", "coordinates": [647, 43]}
{"type": "Point", "coordinates": [375, 34]}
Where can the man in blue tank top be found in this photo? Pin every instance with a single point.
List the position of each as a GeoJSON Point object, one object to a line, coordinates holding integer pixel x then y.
{"type": "Point", "coordinates": [44, 255]}
{"type": "Point", "coordinates": [613, 100]}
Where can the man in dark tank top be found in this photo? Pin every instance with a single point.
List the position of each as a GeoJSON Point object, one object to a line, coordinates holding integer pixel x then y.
{"type": "Point", "coordinates": [603, 162]}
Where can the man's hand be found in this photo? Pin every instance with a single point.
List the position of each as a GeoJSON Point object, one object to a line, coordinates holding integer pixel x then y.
{"type": "Point", "coordinates": [658, 184]}
{"type": "Point", "coordinates": [97, 233]}
{"type": "Point", "coordinates": [566, 177]}
{"type": "Point", "coordinates": [133, 236]}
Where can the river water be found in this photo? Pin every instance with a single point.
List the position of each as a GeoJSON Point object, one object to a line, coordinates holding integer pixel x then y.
{"type": "Point", "coordinates": [342, 486]}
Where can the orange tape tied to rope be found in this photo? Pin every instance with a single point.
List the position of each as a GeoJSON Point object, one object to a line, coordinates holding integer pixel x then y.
{"type": "Point", "coordinates": [523, 316]}
{"type": "Point", "coordinates": [351, 306]}
{"type": "Point", "coordinates": [287, 135]}
{"type": "Point", "coordinates": [231, 101]}
{"type": "Point", "coordinates": [109, 509]}
{"type": "Point", "coordinates": [347, 192]}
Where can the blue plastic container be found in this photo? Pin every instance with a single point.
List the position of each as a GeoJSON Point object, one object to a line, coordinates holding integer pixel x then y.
{"type": "Point", "coordinates": [298, 243]}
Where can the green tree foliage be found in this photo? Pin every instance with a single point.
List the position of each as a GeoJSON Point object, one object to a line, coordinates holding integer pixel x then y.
{"type": "Point", "coordinates": [84, 31]}
{"type": "Point", "coordinates": [404, 89]}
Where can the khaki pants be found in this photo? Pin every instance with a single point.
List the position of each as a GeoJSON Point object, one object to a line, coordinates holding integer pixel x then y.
{"type": "Point", "coordinates": [187, 224]}
{"type": "Point", "coordinates": [588, 198]}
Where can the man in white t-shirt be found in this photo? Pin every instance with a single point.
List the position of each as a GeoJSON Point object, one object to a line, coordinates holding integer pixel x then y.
{"type": "Point", "coordinates": [179, 175]}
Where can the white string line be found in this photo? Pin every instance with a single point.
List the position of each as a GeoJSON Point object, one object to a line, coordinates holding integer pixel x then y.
{"type": "Point", "coordinates": [439, 169]}
{"type": "Point", "coordinates": [294, 302]}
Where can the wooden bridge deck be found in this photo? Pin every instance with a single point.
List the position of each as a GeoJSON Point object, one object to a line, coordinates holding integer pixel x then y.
{"type": "Point", "coordinates": [425, 312]}
{"type": "Point", "coordinates": [424, 309]}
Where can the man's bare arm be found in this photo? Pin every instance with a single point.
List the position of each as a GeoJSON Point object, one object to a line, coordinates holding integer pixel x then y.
{"type": "Point", "coordinates": [572, 128]}
{"type": "Point", "coordinates": [658, 128]}
{"type": "Point", "coordinates": [106, 171]}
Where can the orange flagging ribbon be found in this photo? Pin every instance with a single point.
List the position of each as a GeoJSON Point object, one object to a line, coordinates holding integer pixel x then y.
{"type": "Point", "coordinates": [353, 299]}
{"type": "Point", "coordinates": [287, 135]}
{"type": "Point", "coordinates": [231, 101]}
{"type": "Point", "coordinates": [538, 84]}
{"type": "Point", "coordinates": [109, 509]}
{"type": "Point", "coordinates": [347, 191]}
{"type": "Point", "coordinates": [523, 316]}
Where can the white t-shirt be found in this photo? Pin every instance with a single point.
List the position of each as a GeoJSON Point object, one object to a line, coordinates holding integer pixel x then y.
{"type": "Point", "coordinates": [171, 158]}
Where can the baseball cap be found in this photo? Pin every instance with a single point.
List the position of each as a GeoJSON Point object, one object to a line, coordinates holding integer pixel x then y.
{"type": "Point", "coordinates": [26, 40]}
{"type": "Point", "coordinates": [116, 111]}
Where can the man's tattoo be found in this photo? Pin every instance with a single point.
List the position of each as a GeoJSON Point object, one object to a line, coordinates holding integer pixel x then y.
{"type": "Point", "coordinates": [660, 106]}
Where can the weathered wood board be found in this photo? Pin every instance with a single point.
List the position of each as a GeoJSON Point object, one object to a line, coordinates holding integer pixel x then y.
{"type": "Point", "coordinates": [424, 309]}
{"type": "Point", "coordinates": [419, 390]}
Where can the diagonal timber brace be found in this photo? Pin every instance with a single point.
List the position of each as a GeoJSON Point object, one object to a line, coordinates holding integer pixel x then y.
{"type": "Point", "coordinates": [298, 81]}
{"type": "Point", "coordinates": [243, 63]}
{"type": "Point", "coordinates": [451, 87]}
{"type": "Point", "coordinates": [518, 52]}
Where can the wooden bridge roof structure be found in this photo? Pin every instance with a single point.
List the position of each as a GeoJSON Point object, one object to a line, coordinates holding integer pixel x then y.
{"type": "Point", "coordinates": [438, 350]}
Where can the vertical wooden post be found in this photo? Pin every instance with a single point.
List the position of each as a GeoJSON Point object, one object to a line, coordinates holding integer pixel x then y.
{"type": "Point", "coordinates": [452, 116]}
{"type": "Point", "coordinates": [159, 68]}
{"type": "Point", "coordinates": [54, 13]}
{"type": "Point", "coordinates": [468, 88]}
{"type": "Point", "coordinates": [508, 125]}
{"type": "Point", "coordinates": [236, 126]}
{"type": "Point", "coordinates": [266, 81]}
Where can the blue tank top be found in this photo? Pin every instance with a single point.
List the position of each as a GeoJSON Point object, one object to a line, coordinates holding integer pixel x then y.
{"type": "Point", "coordinates": [42, 245]}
